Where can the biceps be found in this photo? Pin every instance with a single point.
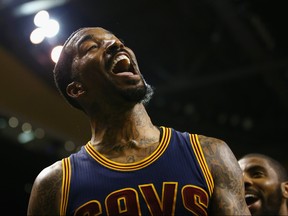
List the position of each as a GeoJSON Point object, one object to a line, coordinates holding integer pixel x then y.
{"type": "Point", "coordinates": [228, 197]}
{"type": "Point", "coordinates": [228, 202]}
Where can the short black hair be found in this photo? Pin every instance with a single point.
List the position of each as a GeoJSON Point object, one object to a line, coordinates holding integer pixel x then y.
{"type": "Point", "coordinates": [63, 74]}
{"type": "Point", "coordinates": [277, 166]}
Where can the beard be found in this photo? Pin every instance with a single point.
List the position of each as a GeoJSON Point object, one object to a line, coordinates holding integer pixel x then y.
{"type": "Point", "coordinates": [142, 94]}
{"type": "Point", "coordinates": [272, 205]}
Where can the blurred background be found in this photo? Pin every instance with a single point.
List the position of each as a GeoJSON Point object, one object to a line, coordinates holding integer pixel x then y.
{"type": "Point", "coordinates": [219, 68]}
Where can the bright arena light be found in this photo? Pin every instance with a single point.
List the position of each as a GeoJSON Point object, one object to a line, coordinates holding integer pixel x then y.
{"type": "Point", "coordinates": [41, 18]}
{"type": "Point", "coordinates": [51, 28]}
{"type": "Point", "coordinates": [46, 27]}
{"type": "Point", "coordinates": [55, 54]}
{"type": "Point", "coordinates": [37, 36]}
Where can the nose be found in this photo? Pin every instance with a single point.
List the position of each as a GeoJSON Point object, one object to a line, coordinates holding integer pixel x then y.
{"type": "Point", "coordinates": [247, 180]}
{"type": "Point", "coordinates": [112, 46]}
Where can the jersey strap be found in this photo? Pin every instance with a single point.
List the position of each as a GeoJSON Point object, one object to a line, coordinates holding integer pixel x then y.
{"type": "Point", "coordinates": [202, 161]}
{"type": "Point", "coordinates": [66, 178]}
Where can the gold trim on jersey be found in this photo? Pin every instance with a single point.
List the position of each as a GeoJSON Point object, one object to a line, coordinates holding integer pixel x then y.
{"type": "Point", "coordinates": [132, 166]}
{"type": "Point", "coordinates": [202, 162]}
{"type": "Point", "coordinates": [66, 178]}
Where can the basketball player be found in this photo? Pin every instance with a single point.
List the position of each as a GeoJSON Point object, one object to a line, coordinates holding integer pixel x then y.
{"type": "Point", "coordinates": [266, 185]}
{"type": "Point", "coordinates": [130, 166]}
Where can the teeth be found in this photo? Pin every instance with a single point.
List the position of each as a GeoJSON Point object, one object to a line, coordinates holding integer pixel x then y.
{"type": "Point", "coordinates": [120, 58]}
{"type": "Point", "coordinates": [250, 195]}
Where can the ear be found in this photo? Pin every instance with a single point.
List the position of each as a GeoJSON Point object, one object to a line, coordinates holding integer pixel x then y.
{"type": "Point", "coordinates": [75, 89]}
{"type": "Point", "coordinates": [284, 189]}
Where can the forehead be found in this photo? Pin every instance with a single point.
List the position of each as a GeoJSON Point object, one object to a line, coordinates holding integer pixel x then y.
{"type": "Point", "coordinates": [96, 33]}
{"type": "Point", "coordinates": [249, 163]}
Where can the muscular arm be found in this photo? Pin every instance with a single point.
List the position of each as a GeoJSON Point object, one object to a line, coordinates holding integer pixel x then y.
{"type": "Point", "coordinates": [46, 191]}
{"type": "Point", "coordinates": [228, 197]}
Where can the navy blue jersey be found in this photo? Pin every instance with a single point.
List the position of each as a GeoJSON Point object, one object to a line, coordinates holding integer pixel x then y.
{"type": "Point", "coordinates": [173, 180]}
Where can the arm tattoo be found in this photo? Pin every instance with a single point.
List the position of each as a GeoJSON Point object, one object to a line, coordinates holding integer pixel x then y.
{"type": "Point", "coordinates": [229, 186]}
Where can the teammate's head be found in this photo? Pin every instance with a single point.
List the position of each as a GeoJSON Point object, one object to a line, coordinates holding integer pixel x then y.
{"type": "Point", "coordinates": [266, 184]}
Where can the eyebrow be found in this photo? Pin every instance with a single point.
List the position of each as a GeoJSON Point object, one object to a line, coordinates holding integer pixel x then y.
{"type": "Point", "coordinates": [257, 167]}
{"type": "Point", "coordinates": [83, 39]}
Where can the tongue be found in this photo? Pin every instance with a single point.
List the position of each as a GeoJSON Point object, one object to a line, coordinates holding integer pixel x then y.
{"type": "Point", "coordinates": [125, 74]}
{"type": "Point", "coordinates": [121, 66]}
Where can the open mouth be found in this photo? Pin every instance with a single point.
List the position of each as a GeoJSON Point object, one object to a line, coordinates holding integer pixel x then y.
{"type": "Point", "coordinates": [122, 64]}
{"type": "Point", "coordinates": [251, 198]}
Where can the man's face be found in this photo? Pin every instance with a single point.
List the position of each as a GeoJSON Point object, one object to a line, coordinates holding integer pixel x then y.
{"type": "Point", "coordinates": [262, 188]}
{"type": "Point", "coordinates": [107, 68]}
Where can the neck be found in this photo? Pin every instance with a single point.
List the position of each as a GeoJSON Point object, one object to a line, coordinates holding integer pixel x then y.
{"type": "Point", "coordinates": [283, 208]}
{"type": "Point", "coordinates": [123, 130]}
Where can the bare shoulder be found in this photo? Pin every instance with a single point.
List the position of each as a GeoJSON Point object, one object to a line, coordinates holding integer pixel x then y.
{"type": "Point", "coordinates": [46, 191]}
{"type": "Point", "coordinates": [219, 157]}
{"type": "Point", "coordinates": [228, 195]}
{"type": "Point", "coordinates": [216, 151]}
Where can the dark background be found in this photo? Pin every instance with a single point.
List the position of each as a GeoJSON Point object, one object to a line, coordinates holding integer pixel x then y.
{"type": "Point", "coordinates": [219, 68]}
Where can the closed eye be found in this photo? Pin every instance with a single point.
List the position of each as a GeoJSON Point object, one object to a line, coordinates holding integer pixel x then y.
{"type": "Point", "coordinates": [258, 174]}
{"type": "Point", "coordinates": [94, 46]}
